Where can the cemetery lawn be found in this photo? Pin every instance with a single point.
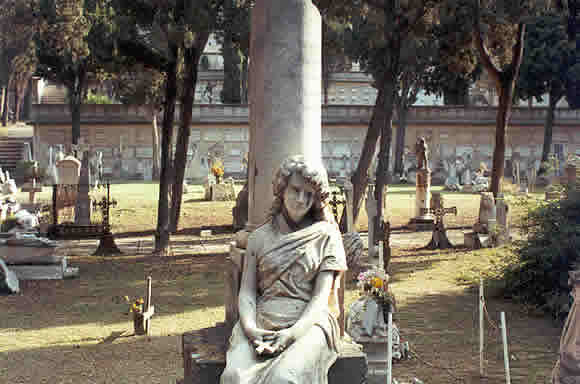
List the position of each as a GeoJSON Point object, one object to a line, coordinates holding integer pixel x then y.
{"type": "Point", "coordinates": [136, 210]}
{"type": "Point", "coordinates": [79, 330]}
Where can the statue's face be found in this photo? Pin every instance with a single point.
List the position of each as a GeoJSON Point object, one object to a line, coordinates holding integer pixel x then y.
{"type": "Point", "coordinates": [298, 197]}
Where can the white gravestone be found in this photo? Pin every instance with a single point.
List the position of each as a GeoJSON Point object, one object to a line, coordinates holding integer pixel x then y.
{"type": "Point", "coordinates": [68, 170]}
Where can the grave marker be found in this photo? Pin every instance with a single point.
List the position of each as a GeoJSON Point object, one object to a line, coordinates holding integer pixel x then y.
{"type": "Point", "coordinates": [439, 239]}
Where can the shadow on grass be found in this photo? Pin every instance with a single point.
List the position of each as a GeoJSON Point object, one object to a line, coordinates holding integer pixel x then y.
{"type": "Point", "coordinates": [132, 360]}
{"type": "Point", "coordinates": [181, 284]}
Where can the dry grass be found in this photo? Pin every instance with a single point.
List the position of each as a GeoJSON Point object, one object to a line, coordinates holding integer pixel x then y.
{"type": "Point", "coordinates": [78, 331]}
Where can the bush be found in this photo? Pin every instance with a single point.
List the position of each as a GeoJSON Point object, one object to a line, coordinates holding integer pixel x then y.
{"type": "Point", "coordinates": [539, 274]}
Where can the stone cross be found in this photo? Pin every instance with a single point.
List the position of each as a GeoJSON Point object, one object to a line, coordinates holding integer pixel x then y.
{"type": "Point", "coordinates": [439, 238]}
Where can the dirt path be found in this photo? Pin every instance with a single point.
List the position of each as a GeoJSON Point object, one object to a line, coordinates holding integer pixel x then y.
{"type": "Point", "coordinates": [78, 331]}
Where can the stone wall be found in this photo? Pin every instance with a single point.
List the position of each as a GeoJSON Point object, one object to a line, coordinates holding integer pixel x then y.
{"type": "Point", "coordinates": [123, 133]}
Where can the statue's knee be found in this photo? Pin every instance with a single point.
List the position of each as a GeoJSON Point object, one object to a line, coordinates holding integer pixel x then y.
{"type": "Point", "coordinates": [231, 376]}
{"type": "Point", "coordinates": [285, 377]}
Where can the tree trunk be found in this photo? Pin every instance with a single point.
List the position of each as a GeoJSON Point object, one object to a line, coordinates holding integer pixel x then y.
{"type": "Point", "coordinates": [245, 73]}
{"type": "Point", "coordinates": [76, 94]}
{"type": "Point", "coordinates": [162, 234]}
{"type": "Point", "coordinates": [359, 179]}
{"type": "Point", "coordinates": [2, 98]}
{"type": "Point", "coordinates": [386, 138]}
{"type": "Point", "coordinates": [505, 82]}
{"type": "Point", "coordinates": [155, 140]}
{"type": "Point", "coordinates": [17, 100]}
{"type": "Point", "coordinates": [191, 60]}
{"type": "Point", "coordinates": [75, 110]}
{"type": "Point", "coordinates": [6, 106]}
{"type": "Point", "coordinates": [548, 129]}
{"type": "Point", "coordinates": [401, 132]}
{"type": "Point", "coordinates": [503, 116]}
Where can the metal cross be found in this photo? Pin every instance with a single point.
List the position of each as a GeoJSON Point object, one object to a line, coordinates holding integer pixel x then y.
{"type": "Point", "coordinates": [439, 212]}
{"type": "Point", "coordinates": [105, 204]}
{"type": "Point", "coordinates": [335, 202]}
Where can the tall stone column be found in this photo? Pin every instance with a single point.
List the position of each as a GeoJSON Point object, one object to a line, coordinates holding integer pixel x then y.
{"type": "Point", "coordinates": [423, 220]}
{"type": "Point", "coordinates": [285, 93]}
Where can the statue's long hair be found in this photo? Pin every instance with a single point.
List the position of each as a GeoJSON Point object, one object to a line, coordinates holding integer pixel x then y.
{"type": "Point", "coordinates": [314, 175]}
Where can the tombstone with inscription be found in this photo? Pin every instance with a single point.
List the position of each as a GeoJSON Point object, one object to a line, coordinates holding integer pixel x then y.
{"type": "Point", "coordinates": [484, 230]}
{"type": "Point", "coordinates": [452, 181]}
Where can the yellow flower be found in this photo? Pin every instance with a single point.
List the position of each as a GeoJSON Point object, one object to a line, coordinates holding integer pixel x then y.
{"type": "Point", "coordinates": [377, 283]}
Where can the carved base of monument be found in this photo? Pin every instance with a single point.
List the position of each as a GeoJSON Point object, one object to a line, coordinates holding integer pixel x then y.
{"type": "Point", "coordinates": [107, 246]}
{"type": "Point", "coordinates": [422, 223]}
{"type": "Point", "coordinates": [204, 358]}
{"type": "Point", "coordinates": [439, 239]}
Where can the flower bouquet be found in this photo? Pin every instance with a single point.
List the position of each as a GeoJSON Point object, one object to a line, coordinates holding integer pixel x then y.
{"type": "Point", "coordinates": [217, 169]}
{"type": "Point", "coordinates": [137, 310]}
{"type": "Point", "coordinates": [375, 283]}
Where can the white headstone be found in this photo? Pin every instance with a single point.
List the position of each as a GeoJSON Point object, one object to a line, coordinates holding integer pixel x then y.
{"type": "Point", "coordinates": [68, 170]}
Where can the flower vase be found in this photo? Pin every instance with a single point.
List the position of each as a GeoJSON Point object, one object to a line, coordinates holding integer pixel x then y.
{"type": "Point", "coordinates": [218, 179]}
{"type": "Point", "coordinates": [138, 323]}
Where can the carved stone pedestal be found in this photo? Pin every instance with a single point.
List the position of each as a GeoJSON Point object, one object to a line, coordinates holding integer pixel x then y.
{"type": "Point", "coordinates": [422, 221]}
{"type": "Point", "coordinates": [204, 358]}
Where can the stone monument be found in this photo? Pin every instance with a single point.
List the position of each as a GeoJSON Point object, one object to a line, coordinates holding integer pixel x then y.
{"type": "Point", "coordinates": [285, 120]}
{"type": "Point", "coordinates": [422, 221]}
{"type": "Point", "coordinates": [285, 93]}
{"type": "Point", "coordinates": [68, 170]}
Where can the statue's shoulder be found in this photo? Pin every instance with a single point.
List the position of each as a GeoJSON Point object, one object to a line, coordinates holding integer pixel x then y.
{"type": "Point", "coordinates": [261, 235]}
{"type": "Point", "coordinates": [329, 228]}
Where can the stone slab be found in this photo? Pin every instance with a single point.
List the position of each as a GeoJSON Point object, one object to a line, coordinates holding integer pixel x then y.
{"type": "Point", "coordinates": [14, 255]}
{"type": "Point", "coordinates": [349, 368]}
{"type": "Point", "coordinates": [40, 272]}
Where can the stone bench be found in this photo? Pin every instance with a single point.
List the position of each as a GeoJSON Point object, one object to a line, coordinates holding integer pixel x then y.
{"type": "Point", "coordinates": [204, 358]}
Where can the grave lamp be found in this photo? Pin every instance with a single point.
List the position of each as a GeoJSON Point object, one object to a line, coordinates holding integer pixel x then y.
{"type": "Point", "coordinates": [573, 71]}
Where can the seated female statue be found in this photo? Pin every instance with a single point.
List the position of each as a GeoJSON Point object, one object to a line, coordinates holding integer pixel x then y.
{"type": "Point", "coordinates": [288, 332]}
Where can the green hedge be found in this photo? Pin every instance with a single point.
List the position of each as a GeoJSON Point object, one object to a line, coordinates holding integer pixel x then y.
{"type": "Point", "coordinates": [539, 275]}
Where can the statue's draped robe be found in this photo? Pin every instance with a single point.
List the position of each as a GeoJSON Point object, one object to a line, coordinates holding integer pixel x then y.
{"type": "Point", "coordinates": [287, 268]}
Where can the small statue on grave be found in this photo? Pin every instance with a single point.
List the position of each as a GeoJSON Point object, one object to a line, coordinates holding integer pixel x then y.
{"type": "Point", "coordinates": [422, 151]}
{"type": "Point", "coordinates": [288, 329]}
